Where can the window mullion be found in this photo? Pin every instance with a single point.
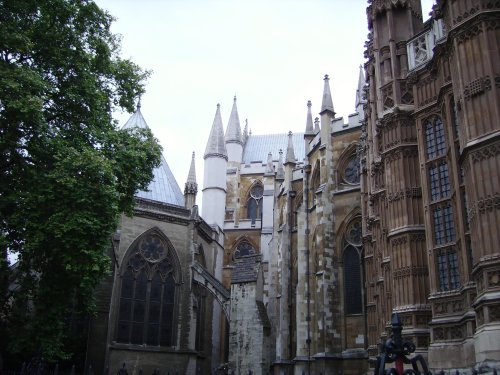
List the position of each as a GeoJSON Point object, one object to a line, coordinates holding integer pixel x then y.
{"type": "Point", "coordinates": [146, 313]}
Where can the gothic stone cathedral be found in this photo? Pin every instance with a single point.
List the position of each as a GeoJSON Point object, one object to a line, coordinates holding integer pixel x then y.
{"type": "Point", "coordinates": [308, 242]}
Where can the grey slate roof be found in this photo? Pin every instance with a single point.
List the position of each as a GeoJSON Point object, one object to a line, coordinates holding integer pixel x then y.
{"type": "Point", "coordinates": [163, 188]}
{"type": "Point", "coordinates": [257, 147]}
{"type": "Point", "coordinates": [246, 269]}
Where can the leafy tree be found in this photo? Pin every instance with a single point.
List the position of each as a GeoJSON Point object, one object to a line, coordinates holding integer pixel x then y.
{"type": "Point", "coordinates": [66, 172]}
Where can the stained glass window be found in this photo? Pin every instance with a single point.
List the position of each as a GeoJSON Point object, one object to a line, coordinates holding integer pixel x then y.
{"type": "Point", "coordinates": [352, 281]}
{"type": "Point", "coordinates": [148, 292]}
{"type": "Point", "coordinates": [254, 202]}
{"type": "Point", "coordinates": [351, 172]}
{"type": "Point", "coordinates": [244, 248]}
{"type": "Point", "coordinates": [352, 268]}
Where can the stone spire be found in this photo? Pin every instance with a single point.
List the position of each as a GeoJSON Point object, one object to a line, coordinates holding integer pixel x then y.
{"type": "Point", "coordinates": [269, 165]}
{"type": "Point", "coordinates": [327, 103]}
{"type": "Point", "coordinates": [360, 95]}
{"type": "Point", "coordinates": [309, 119]}
{"type": "Point", "coordinates": [216, 145]}
{"type": "Point", "coordinates": [233, 131]}
{"type": "Point", "coordinates": [280, 172]}
{"type": "Point", "coordinates": [191, 187]}
{"type": "Point", "coordinates": [290, 154]}
{"type": "Point", "coordinates": [360, 90]}
{"type": "Point", "coordinates": [316, 125]}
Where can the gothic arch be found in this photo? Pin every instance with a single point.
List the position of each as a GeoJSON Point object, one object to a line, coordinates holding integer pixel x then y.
{"type": "Point", "coordinates": [148, 288]}
{"type": "Point", "coordinates": [244, 246]}
{"type": "Point", "coordinates": [253, 201]}
{"type": "Point", "coordinates": [354, 214]}
{"type": "Point", "coordinates": [315, 182]}
{"type": "Point", "coordinates": [351, 245]}
{"type": "Point", "coordinates": [348, 166]}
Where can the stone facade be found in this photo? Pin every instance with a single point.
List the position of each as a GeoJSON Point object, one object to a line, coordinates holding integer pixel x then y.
{"type": "Point", "coordinates": [156, 311]}
{"type": "Point", "coordinates": [293, 201]}
{"type": "Point", "coordinates": [310, 241]}
{"type": "Point", "coordinates": [428, 179]}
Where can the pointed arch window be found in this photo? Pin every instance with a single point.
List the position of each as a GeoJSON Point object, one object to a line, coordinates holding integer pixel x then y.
{"type": "Point", "coordinates": [148, 294]}
{"type": "Point", "coordinates": [352, 268]}
{"type": "Point", "coordinates": [254, 202]}
{"type": "Point", "coordinates": [244, 248]}
{"type": "Point", "coordinates": [314, 185]}
{"type": "Point", "coordinates": [351, 174]}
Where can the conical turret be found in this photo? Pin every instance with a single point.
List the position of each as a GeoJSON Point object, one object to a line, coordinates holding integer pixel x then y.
{"type": "Point", "coordinates": [163, 187]}
{"type": "Point", "coordinates": [316, 125]}
{"type": "Point", "coordinates": [309, 119]}
{"type": "Point", "coordinates": [360, 94]}
{"type": "Point", "coordinates": [290, 154]}
{"type": "Point", "coordinates": [269, 166]}
{"type": "Point", "coordinates": [327, 113]}
{"type": "Point", "coordinates": [233, 131]}
{"type": "Point", "coordinates": [191, 187]}
{"type": "Point", "coordinates": [280, 172]}
{"type": "Point", "coordinates": [214, 177]}
{"type": "Point", "coordinates": [327, 103]}
{"type": "Point", "coordinates": [234, 142]}
{"type": "Point", "coordinates": [309, 133]}
{"type": "Point", "coordinates": [216, 146]}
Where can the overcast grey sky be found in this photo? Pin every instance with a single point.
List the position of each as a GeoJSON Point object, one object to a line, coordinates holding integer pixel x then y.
{"type": "Point", "coordinates": [272, 54]}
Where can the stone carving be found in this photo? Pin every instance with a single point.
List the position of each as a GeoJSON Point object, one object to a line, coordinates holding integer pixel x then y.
{"type": "Point", "coordinates": [413, 192]}
{"type": "Point", "coordinates": [468, 33]}
{"type": "Point", "coordinates": [477, 87]}
{"type": "Point", "coordinates": [488, 203]}
{"type": "Point", "coordinates": [486, 152]}
{"type": "Point", "coordinates": [494, 278]}
{"type": "Point", "coordinates": [466, 14]}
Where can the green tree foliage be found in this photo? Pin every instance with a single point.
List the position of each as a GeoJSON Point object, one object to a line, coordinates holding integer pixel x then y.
{"type": "Point", "coordinates": [66, 172]}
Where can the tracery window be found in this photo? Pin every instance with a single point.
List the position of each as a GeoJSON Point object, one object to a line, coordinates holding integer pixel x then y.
{"type": "Point", "coordinates": [244, 248]}
{"type": "Point", "coordinates": [352, 268]}
{"type": "Point", "coordinates": [148, 294]}
{"type": "Point", "coordinates": [254, 203]}
{"type": "Point", "coordinates": [351, 171]}
{"type": "Point", "coordinates": [448, 271]}
{"type": "Point", "coordinates": [434, 137]}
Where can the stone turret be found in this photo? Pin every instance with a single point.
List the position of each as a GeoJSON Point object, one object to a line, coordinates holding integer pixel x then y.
{"type": "Point", "coordinates": [289, 162]}
{"type": "Point", "coordinates": [233, 138]}
{"type": "Point", "coordinates": [191, 187]}
{"type": "Point", "coordinates": [360, 94]}
{"type": "Point", "coordinates": [214, 181]}
{"type": "Point", "coordinates": [280, 171]}
{"type": "Point", "coordinates": [214, 208]}
{"type": "Point", "coordinates": [309, 133]}
{"type": "Point", "coordinates": [327, 113]}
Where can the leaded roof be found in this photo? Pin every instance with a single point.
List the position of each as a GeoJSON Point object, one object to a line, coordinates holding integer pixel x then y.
{"type": "Point", "coordinates": [258, 147]}
{"type": "Point", "coordinates": [164, 187]}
